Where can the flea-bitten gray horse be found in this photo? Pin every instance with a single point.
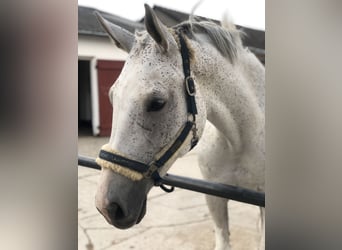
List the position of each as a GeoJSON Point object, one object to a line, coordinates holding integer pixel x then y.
{"type": "Point", "coordinates": [151, 104]}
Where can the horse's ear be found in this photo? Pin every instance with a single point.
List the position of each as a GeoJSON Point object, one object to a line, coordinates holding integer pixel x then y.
{"type": "Point", "coordinates": [156, 28]}
{"type": "Point", "coordinates": [121, 37]}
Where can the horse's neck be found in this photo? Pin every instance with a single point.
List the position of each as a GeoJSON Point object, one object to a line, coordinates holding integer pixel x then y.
{"type": "Point", "coordinates": [254, 73]}
{"type": "Point", "coordinates": [233, 96]}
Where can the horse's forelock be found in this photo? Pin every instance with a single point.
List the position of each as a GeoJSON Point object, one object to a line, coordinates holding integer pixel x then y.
{"type": "Point", "coordinates": [142, 38]}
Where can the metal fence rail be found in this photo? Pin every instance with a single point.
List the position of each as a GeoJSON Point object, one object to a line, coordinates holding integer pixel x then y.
{"type": "Point", "coordinates": [216, 189]}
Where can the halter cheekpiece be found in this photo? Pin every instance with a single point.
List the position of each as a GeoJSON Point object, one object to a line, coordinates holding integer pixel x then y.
{"type": "Point", "coordinates": [151, 170]}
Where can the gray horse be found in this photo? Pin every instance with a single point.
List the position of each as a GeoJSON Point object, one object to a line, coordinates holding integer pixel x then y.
{"type": "Point", "coordinates": [150, 106]}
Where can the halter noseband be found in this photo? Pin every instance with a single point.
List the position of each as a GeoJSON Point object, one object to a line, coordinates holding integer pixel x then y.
{"type": "Point", "coordinates": [109, 158]}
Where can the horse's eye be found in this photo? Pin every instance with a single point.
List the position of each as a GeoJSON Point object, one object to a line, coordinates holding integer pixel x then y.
{"type": "Point", "coordinates": [155, 104]}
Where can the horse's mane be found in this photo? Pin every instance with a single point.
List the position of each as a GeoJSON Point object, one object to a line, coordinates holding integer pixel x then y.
{"type": "Point", "coordinates": [226, 41]}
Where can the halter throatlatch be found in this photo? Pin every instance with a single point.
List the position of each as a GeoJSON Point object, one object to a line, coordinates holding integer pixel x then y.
{"type": "Point", "coordinates": [135, 170]}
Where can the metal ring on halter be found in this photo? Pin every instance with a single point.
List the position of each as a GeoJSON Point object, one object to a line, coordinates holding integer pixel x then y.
{"type": "Point", "coordinates": [167, 190]}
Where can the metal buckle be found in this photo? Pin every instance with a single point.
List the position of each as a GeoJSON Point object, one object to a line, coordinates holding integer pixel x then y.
{"type": "Point", "coordinates": [150, 171]}
{"type": "Point", "coordinates": [190, 89]}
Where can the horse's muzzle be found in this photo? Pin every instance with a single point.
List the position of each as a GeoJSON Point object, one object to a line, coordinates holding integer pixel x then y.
{"type": "Point", "coordinates": [120, 218]}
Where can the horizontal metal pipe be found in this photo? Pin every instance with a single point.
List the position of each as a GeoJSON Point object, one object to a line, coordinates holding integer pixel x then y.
{"type": "Point", "coordinates": [216, 189]}
{"type": "Point", "coordinates": [88, 162]}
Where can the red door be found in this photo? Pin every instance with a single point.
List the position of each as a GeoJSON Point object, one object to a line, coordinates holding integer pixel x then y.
{"type": "Point", "coordinates": [108, 72]}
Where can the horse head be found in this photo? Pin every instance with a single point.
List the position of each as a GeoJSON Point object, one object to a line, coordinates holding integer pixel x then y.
{"type": "Point", "coordinates": [156, 118]}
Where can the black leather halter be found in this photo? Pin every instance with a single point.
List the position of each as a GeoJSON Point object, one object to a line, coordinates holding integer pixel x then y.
{"type": "Point", "coordinates": [151, 170]}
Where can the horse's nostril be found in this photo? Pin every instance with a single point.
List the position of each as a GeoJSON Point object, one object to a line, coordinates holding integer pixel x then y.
{"type": "Point", "coordinates": [115, 211]}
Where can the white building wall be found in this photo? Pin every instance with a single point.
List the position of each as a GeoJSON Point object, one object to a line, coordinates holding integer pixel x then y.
{"type": "Point", "coordinates": [99, 47]}
{"type": "Point", "coordinates": [94, 48]}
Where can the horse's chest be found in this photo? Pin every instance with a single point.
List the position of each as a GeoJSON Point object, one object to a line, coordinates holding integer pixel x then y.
{"type": "Point", "coordinates": [250, 172]}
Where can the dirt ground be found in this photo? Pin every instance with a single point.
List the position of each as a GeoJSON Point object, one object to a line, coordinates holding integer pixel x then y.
{"type": "Point", "coordinates": [178, 220]}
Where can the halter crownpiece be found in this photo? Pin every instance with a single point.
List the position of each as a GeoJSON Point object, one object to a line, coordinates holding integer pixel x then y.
{"type": "Point", "coordinates": [136, 170]}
